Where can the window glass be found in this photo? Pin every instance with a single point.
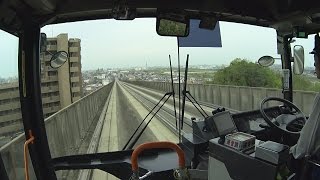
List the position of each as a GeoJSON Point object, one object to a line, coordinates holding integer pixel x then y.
{"type": "Point", "coordinates": [103, 55]}
{"type": "Point", "coordinates": [11, 127]}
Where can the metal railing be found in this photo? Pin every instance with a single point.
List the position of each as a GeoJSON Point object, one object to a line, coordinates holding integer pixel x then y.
{"type": "Point", "coordinates": [66, 130]}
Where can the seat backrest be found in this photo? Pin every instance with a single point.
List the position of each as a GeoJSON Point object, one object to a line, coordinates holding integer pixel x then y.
{"type": "Point", "coordinates": [309, 141]}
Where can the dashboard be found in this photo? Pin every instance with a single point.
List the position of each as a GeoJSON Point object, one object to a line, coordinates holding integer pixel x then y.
{"type": "Point", "coordinates": [251, 121]}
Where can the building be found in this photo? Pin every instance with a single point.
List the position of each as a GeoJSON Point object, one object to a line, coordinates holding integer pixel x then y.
{"type": "Point", "coordinates": [10, 114]}
{"type": "Point", "coordinates": [59, 87]}
{"type": "Point", "coordinates": [66, 80]}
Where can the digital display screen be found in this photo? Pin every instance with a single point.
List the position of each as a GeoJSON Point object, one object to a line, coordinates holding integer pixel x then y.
{"type": "Point", "coordinates": [224, 123]}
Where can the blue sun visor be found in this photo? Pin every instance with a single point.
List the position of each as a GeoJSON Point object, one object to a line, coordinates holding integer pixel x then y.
{"type": "Point", "coordinates": [201, 37]}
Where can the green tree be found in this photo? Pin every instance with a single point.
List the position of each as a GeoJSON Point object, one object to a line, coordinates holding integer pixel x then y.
{"type": "Point", "coordinates": [241, 72]}
{"type": "Point", "coordinates": [168, 27]}
{"type": "Point", "coordinates": [301, 82]}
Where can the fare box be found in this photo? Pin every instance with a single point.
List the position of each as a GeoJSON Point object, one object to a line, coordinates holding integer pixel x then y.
{"type": "Point", "coordinates": [240, 141]}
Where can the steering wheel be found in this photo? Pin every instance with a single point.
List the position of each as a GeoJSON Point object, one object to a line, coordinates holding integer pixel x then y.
{"type": "Point", "coordinates": [287, 118]}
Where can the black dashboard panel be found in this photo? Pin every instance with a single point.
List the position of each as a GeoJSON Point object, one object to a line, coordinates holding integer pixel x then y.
{"type": "Point", "coordinates": [249, 121]}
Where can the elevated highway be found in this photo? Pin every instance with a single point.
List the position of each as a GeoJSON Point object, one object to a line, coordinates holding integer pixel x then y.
{"type": "Point", "coordinates": [104, 120]}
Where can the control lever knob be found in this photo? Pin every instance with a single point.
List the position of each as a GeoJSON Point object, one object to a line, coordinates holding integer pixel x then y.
{"type": "Point", "coordinates": [215, 111]}
{"type": "Point", "coordinates": [264, 126]}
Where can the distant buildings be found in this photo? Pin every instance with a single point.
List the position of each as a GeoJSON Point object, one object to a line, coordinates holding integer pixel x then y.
{"type": "Point", "coordinates": [59, 87]}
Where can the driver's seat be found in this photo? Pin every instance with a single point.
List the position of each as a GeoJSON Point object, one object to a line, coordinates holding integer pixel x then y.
{"type": "Point", "coordinates": [309, 141]}
{"type": "Point", "coordinates": [308, 144]}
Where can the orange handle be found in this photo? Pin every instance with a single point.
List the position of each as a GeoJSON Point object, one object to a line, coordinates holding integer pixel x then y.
{"type": "Point", "coordinates": [25, 151]}
{"type": "Point", "coordinates": [156, 145]}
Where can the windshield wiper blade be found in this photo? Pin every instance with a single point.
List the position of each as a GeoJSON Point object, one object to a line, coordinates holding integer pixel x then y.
{"type": "Point", "coordinates": [139, 135]}
{"type": "Point", "coordinates": [195, 103]}
{"type": "Point", "coordinates": [125, 146]}
{"type": "Point", "coordinates": [184, 89]}
{"type": "Point", "coordinates": [173, 95]}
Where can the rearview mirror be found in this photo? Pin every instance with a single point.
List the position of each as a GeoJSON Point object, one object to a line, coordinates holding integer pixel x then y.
{"type": "Point", "coordinates": [58, 59]}
{"type": "Point", "coordinates": [298, 58]}
{"type": "Point", "coordinates": [167, 27]}
{"type": "Point", "coordinates": [266, 61]}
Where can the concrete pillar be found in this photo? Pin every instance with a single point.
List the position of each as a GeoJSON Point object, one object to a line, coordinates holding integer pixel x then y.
{"type": "Point", "coordinates": [235, 97]}
{"type": "Point", "coordinates": [168, 87]}
{"type": "Point", "coordinates": [258, 94]}
{"type": "Point", "coordinates": [192, 89]}
{"type": "Point", "coordinates": [202, 93]}
{"type": "Point", "coordinates": [225, 96]}
{"type": "Point", "coordinates": [208, 95]}
{"type": "Point", "coordinates": [246, 99]}
{"type": "Point", "coordinates": [307, 102]}
{"type": "Point", "coordinates": [64, 73]}
{"type": "Point", "coordinates": [216, 94]}
{"type": "Point", "coordinates": [274, 93]}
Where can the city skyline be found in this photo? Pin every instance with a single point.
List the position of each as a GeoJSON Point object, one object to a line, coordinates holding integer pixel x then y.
{"type": "Point", "coordinates": [126, 44]}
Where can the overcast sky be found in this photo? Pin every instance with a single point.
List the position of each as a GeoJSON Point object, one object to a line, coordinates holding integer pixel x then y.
{"type": "Point", "coordinates": [111, 44]}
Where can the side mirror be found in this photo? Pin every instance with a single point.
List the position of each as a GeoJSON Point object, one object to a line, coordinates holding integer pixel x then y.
{"type": "Point", "coordinates": [43, 42]}
{"type": "Point", "coordinates": [266, 61]}
{"type": "Point", "coordinates": [58, 59]}
{"type": "Point", "coordinates": [298, 58]}
{"type": "Point", "coordinates": [168, 27]}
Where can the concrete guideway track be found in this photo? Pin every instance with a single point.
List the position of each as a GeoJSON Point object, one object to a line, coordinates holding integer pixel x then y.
{"type": "Point", "coordinates": [128, 106]}
{"type": "Point", "coordinates": [208, 107]}
{"type": "Point", "coordinates": [123, 116]}
{"type": "Point", "coordinates": [149, 98]}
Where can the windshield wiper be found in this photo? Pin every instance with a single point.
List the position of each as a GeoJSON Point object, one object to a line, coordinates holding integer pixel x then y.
{"type": "Point", "coordinates": [129, 145]}
{"type": "Point", "coordinates": [184, 89]}
{"type": "Point", "coordinates": [195, 103]}
{"type": "Point", "coordinates": [173, 94]}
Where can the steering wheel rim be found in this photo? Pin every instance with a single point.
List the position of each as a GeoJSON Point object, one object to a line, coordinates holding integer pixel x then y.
{"type": "Point", "coordinates": [299, 115]}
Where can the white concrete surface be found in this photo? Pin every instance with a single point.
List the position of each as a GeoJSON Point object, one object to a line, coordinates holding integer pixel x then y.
{"type": "Point", "coordinates": [156, 96]}
{"type": "Point", "coordinates": [161, 132]}
{"type": "Point", "coordinates": [110, 136]}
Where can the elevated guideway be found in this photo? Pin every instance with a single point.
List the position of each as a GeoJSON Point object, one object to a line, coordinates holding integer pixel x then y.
{"type": "Point", "coordinates": [104, 120]}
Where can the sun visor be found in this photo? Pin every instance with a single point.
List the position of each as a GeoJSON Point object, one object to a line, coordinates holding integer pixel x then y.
{"type": "Point", "coordinates": [201, 37]}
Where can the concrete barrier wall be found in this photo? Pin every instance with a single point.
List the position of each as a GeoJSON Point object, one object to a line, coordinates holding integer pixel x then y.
{"type": "Point", "coordinates": [235, 97]}
{"type": "Point", "coordinates": [66, 131]}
